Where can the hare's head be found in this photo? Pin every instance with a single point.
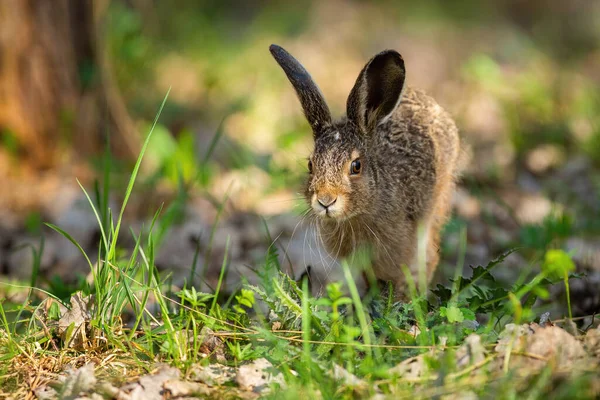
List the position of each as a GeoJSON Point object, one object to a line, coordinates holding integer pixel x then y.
{"type": "Point", "coordinates": [343, 168]}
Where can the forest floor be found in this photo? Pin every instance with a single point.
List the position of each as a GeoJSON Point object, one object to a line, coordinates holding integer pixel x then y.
{"type": "Point", "coordinates": [136, 329]}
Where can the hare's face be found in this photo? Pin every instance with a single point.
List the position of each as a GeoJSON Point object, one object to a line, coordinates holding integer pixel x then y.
{"type": "Point", "coordinates": [341, 181]}
{"type": "Point", "coordinates": [339, 174]}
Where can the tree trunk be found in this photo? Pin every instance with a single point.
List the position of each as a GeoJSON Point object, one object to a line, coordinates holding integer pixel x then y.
{"type": "Point", "coordinates": [56, 89]}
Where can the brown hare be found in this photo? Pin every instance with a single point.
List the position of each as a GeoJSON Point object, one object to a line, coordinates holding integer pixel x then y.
{"type": "Point", "coordinates": [382, 177]}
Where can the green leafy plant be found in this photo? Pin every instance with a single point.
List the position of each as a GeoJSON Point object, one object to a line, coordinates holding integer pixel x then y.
{"type": "Point", "coordinates": [558, 265]}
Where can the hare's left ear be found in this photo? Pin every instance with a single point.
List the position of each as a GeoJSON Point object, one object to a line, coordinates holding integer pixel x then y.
{"type": "Point", "coordinates": [377, 91]}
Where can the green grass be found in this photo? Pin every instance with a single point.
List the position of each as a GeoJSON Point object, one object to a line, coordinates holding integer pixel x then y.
{"type": "Point", "coordinates": [305, 338]}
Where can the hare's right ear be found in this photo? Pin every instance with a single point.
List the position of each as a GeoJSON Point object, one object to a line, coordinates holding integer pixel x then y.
{"type": "Point", "coordinates": [377, 91]}
{"type": "Point", "coordinates": [315, 109]}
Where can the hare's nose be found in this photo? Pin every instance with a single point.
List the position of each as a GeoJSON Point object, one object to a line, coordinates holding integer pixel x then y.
{"type": "Point", "coordinates": [327, 200]}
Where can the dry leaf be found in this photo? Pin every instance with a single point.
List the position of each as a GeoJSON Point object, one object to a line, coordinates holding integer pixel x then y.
{"type": "Point", "coordinates": [471, 352]}
{"type": "Point", "coordinates": [256, 376]}
{"type": "Point", "coordinates": [591, 342]}
{"type": "Point", "coordinates": [212, 345]}
{"type": "Point", "coordinates": [341, 374]}
{"type": "Point", "coordinates": [151, 387]}
{"type": "Point", "coordinates": [73, 324]}
{"type": "Point", "coordinates": [213, 375]}
{"type": "Point", "coordinates": [410, 368]}
{"type": "Point", "coordinates": [71, 385]}
{"type": "Point", "coordinates": [179, 388]}
{"type": "Point", "coordinates": [540, 345]}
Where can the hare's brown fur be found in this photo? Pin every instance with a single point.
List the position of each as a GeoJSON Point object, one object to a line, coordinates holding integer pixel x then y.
{"type": "Point", "coordinates": [408, 153]}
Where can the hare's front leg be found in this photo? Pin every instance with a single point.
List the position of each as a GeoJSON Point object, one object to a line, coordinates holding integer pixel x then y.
{"type": "Point", "coordinates": [423, 258]}
{"type": "Point", "coordinates": [394, 259]}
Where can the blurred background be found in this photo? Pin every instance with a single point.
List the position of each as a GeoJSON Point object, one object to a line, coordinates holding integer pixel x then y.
{"type": "Point", "coordinates": [81, 83]}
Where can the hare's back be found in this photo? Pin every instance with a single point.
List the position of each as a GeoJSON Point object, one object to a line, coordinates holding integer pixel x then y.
{"type": "Point", "coordinates": [426, 115]}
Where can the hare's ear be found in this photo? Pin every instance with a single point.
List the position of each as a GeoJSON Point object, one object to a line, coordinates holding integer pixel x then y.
{"type": "Point", "coordinates": [313, 103]}
{"type": "Point", "coordinates": [377, 91]}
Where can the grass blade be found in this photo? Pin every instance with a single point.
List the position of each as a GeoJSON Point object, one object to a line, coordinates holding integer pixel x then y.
{"type": "Point", "coordinates": [100, 224]}
{"type": "Point", "coordinates": [221, 275]}
{"type": "Point", "coordinates": [72, 240]}
{"type": "Point", "coordinates": [360, 312]}
{"type": "Point", "coordinates": [133, 178]}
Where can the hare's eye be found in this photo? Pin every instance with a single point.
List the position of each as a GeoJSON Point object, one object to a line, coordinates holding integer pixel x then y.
{"type": "Point", "coordinates": [355, 167]}
{"type": "Point", "coordinates": [310, 167]}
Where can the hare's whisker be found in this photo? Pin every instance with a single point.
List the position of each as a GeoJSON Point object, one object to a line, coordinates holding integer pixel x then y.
{"type": "Point", "coordinates": [304, 216]}
{"type": "Point", "coordinates": [381, 244]}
